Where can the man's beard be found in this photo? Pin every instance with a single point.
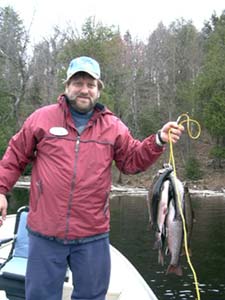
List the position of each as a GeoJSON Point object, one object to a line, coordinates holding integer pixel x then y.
{"type": "Point", "coordinates": [81, 109]}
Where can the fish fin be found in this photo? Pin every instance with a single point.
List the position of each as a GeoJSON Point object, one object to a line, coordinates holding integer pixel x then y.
{"type": "Point", "coordinates": [184, 252]}
{"type": "Point", "coordinates": [160, 258]}
{"type": "Point", "coordinates": [149, 227]}
{"type": "Point", "coordinates": [190, 252]}
{"type": "Point", "coordinates": [155, 227]}
{"type": "Point", "coordinates": [157, 245]}
{"type": "Point", "coordinates": [167, 251]}
{"type": "Point", "coordinates": [174, 270]}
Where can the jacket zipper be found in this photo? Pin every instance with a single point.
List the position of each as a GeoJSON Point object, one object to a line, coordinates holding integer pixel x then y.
{"type": "Point", "coordinates": [72, 186]}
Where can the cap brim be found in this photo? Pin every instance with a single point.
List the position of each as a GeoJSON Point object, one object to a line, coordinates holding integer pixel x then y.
{"type": "Point", "coordinates": [85, 71]}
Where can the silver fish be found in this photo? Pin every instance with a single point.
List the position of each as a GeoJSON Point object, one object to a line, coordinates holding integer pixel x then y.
{"type": "Point", "coordinates": [174, 226]}
{"type": "Point", "coordinates": [169, 200]}
{"type": "Point", "coordinates": [160, 233]}
{"type": "Point", "coordinates": [157, 202]}
{"type": "Point", "coordinates": [154, 193]}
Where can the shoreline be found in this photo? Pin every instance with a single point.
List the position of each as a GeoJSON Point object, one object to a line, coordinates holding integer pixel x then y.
{"type": "Point", "coordinates": [118, 190]}
{"type": "Point", "coordinates": [143, 191]}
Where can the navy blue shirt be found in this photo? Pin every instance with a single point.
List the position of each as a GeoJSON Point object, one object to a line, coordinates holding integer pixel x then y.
{"type": "Point", "coordinates": [80, 119]}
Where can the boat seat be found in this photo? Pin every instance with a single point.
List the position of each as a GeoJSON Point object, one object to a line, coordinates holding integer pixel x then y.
{"type": "Point", "coordinates": [12, 271]}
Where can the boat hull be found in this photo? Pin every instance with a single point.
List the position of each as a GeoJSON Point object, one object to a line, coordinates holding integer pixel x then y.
{"type": "Point", "coordinates": [126, 283]}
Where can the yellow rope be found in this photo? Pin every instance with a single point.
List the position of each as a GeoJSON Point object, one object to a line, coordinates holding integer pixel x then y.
{"type": "Point", "coordinates": [187, 120]}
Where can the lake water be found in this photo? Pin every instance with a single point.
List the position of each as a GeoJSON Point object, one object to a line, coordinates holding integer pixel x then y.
{"type": "Point", "coordinates": [130, 234]}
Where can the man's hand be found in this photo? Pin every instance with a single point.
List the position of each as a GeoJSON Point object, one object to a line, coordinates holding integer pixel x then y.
{"type": "Point", "coordinates": [175, 132]}
{"type": "Point", "coordinates": [3, 208]}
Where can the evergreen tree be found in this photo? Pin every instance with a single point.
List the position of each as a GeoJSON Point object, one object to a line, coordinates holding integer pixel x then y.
{"type": "Point", "coordinates": [211, 82]}
{"type": "Point", "coordinates": [13, 76]}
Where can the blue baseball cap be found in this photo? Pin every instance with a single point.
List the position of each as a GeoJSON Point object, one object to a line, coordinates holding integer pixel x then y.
{"type": "Point", "coordinates": [84, 64]}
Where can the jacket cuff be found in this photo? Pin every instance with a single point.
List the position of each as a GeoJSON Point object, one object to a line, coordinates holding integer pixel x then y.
{"type": "Point", "coordinates": [159, 140]}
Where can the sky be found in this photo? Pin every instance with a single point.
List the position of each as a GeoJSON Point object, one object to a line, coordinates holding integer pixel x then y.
{"type": "Point", "coordinates": [140, 17]}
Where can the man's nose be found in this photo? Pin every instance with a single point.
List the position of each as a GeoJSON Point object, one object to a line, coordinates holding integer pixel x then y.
{"type": "Point", "coordinates": [84, 89]}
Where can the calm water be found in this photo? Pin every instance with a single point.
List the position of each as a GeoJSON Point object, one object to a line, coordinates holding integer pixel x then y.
{"type": "Point", "coordinates": [131, 235]}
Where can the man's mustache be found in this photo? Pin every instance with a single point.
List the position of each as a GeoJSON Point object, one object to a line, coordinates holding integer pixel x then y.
{"type": "Point", "coordinates": [80, 95]}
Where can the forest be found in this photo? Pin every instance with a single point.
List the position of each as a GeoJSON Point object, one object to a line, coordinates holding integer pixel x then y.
{"type": "Point", "coordinates": [179, 69]}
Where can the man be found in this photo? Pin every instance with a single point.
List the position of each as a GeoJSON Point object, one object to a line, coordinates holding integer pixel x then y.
{"type": "Point", "coordinates": [72, 145]}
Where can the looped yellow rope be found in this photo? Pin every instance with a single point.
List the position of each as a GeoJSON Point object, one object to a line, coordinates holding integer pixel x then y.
{"type": "Point", "coordinates": [190, 125]}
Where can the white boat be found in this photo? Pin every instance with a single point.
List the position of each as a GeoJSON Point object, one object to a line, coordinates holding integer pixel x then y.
{"type": "Point", "coordinates": [126, 283]}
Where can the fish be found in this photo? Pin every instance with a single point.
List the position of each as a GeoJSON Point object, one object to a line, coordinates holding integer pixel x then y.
{"type": "Point", "coordinates": [174, 226]}
{"type": "Point", "coordinates": [157, 202]}
{"type": "Point", "coordinates": [175, 241]}
{"type": "Point", "coordinates": [153, 197]}
{"type": "Point", "coordinates": [168, 203]}
{"type": "Point", "coordinates": [160, 232]}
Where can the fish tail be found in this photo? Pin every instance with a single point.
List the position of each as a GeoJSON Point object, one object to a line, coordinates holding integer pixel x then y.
{"type": "Point", "coordinates": [174, 270]}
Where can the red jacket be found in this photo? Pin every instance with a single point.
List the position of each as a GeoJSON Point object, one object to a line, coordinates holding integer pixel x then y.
{"type": "Point", "coordinates": [71, 173]}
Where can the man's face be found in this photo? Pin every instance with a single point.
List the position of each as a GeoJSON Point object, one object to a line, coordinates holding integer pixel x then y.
{"type": "Point", "coordinates": [82, 91]}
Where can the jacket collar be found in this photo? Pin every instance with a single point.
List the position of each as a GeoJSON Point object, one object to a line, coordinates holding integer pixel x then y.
{"type": "Point", "coordinates": [99, 109]}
